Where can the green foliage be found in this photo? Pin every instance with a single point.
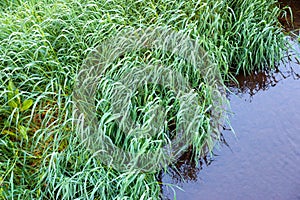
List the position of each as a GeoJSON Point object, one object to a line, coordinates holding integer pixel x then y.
{"type": "Point", "coordinates": [42, 46]}
{"type": "Point", "coordinates": [16, 113]}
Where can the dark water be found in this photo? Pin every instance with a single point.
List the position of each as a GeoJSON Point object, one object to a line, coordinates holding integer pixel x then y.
{"type": "Point", "coordinates": [294, 21]}
{"type": "Point", "coordinates": [263, 160]}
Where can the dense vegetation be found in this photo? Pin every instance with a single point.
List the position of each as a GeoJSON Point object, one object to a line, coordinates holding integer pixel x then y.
{"type": "Point", "coordinates": [43, 44]}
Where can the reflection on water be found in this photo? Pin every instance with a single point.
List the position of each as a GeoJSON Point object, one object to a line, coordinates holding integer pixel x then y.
{"type": "Point", "coordinates": [186, 168]}
{"type": "Point", "coordinates": [261, 81]}
{"type": "Point", "coordinates": [263, 160]}
{"type": "Point", "coordinates": [265, 157]}
{"type": "Point", "coordinates": [295, 22]}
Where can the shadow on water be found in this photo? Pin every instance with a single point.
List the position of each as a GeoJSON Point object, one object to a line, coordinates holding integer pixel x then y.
{"type": "Point", "coordinates": [262, 161]}
{"type": "Point", "coordinates": [293, 21]}
{"type": "Point", "coordinates": [262, 81]}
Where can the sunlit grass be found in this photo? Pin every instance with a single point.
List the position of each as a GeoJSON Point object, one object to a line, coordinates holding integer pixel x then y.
{"type": "Point", "coordinates": [42, 47]}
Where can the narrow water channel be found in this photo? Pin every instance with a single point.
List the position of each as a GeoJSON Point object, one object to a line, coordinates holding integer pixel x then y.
{"type": "Point", "coordinates": [263, 160]}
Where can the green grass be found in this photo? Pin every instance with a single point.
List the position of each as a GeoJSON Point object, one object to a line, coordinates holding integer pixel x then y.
{"type": "Point", "coordinates": [43, 45]}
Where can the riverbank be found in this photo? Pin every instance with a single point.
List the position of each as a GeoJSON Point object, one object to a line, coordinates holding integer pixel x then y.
{"type": "Point", "coordinates": [43, 47]}
{"type": "Point", "coordinates": [262, 161]}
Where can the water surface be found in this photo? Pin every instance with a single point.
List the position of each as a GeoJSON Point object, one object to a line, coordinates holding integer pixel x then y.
{"type": "Point", "coordinates": [263, 160]}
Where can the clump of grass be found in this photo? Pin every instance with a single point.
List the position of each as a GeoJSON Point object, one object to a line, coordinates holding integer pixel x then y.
{"type": "Point", "coordinates": [42, 47]}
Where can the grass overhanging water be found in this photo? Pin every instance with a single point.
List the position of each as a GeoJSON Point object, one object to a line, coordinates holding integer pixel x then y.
{"type": "Point", "coordinates": [43, 45]}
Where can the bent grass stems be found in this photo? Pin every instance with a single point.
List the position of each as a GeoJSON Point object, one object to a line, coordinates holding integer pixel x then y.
{"type": "Point", "coordinates": [42, 47]}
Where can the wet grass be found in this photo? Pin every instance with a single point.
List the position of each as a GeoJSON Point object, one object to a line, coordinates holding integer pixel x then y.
{"type": "Point", "coordinates": [42, 47]}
